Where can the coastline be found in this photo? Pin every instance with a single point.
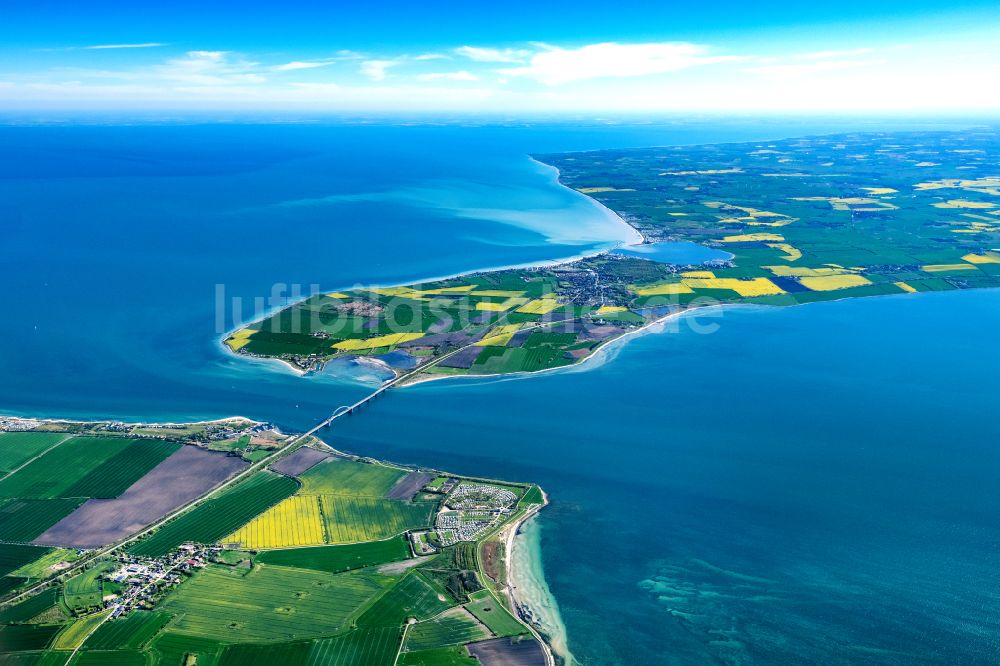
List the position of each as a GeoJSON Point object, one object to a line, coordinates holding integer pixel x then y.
{"type": "Point", "coordinates": [528, 590]}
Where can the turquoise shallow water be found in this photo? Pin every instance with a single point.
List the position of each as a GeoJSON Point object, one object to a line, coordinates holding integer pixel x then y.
{"type": "Point", "coordinates": [811, 485]}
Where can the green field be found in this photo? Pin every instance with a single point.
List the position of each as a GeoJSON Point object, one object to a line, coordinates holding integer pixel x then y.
{"type": "Point", "coordinates": [337, 476]}
{"type": "Point", "coordinates": [334, 559]}
{"type": "Point", "coordinates": [113, 477]}
{"type": "Point", "coordinates": [18, 447]}
{"type": "Point", "coordinates": [106, 658]}
{"type": "Point", "coordinates": [23, 520]}
{"type": "Point", "coordinates": [130, 632]}
{"type": "Point", "coordinates": [219, 516]}
{"type": "Point", "coordinates": [267, 604]}
{"type": "Point", "coordinates": [447, 656]}
{"type": "Point", "coordinates": [452, 628]}
{"type": "Point", "coordinates": [413, 596]}
{"type": "Point", "coordinates": [53, 473]}
{"type": "Point", "coordinates": [29, 608]}
{"type": "Point", "coordinates": [353, 519]}
{"type": "Point", "coordinates": [85, 590]}
{"type": "Point", "coordinates": [24, 637]}
{"type": "Point", "coordinates": [491, 612]}
{"type": "Point", "coordinates": [13, 556]}
{"type": "Point", "coordinates": [376, 645]}
{"type": "Point", "coordinates": [170, 649]}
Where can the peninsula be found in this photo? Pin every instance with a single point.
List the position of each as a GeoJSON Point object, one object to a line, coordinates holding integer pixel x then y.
{"type": "Point", "coordinates": [784, 223]}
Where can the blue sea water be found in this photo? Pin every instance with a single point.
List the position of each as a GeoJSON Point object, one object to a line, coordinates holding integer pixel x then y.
{"type": "Point", "coordinates": [809, 485]}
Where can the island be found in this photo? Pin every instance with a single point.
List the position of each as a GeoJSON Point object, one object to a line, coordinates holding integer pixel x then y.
{"type": "Point", "coordinates": [231, 543]}
{"type": "Point", "coordinates": [767, 223]}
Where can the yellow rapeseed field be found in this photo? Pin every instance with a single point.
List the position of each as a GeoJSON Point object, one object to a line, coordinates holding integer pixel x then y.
{"type": "Point", "coordinates": [540, 306]}
{"type": "Point", "coordinates": [499, 336]}
{"type": "Point", "coordinates": [988, 258]}
{"type": "Point", "coordinates": [834, 282]}
{"type": "Point", "coordinates": [791, 252]}
{"type": "Point", "coordinates": [239, 339]}
{"type": "Point", "coordinates": [802, 271]}
{"type": "Point", "coordinates": [376, 342]}
{"type": "Point", "coordinates": [337, 294]}
{"type": "Point", "coordinates": [746, 288]}
{"type": "Point", "coordinates": [944, 268]}
{"type": "Point", "coordinates": [670, 289]}
{"type": "Point", "coordinates": [295, 521]}
{"type": "Point", "coordinates": [905, 287]}
{"type": "Point", "coordinates": [610, 309]}
{"type": "Point", "coordinates": [965, 203]}
{"type": "Point", "coordinates": [698, 274]}
{"type": "Point", "coordinates": [747, 238]}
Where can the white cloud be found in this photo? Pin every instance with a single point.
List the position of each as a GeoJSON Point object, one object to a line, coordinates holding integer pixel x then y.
{"type": "Point", "coordinates": [823, 55]}
{"type": "Point", "coordinates": [144, 45]}
{"type": "Point", "coordinates": [802, 70]}
{"type": "Point", "coordinates": [610, 59]}
{"type": "Point", "coordinates": [481, 54]}
{"type": "Point", "coordinates": [376, 69]}
{"type": "Point", "coordinates": [462, 75]}
{"type": "Point", "coordinates": [302, 64]}
{"type": "Point", "coordinates": [431, 56]}
{"type": "Point", "coordinates": [209, 68]}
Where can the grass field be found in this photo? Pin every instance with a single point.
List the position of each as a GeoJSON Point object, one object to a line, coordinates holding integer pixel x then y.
{"type": "Point", "coordinates": [447, 656]}
{"type": "Point", "coordinates": [29, 608]}
{"type": "Point", "coordinates": [23, 520]}
{"type": "Point", "coordinates": [18, 447]}
{"type": "Point", "coordinates": [267, 604]}
{"type": "Point", "coordinates": [74, 634]}
{"type": "Point", "coordinates": [209, 522]}
{"type": "Point", "coordinates": [337, 476]}
{"type": "Point", "coordinates": [85, 590]}
{"type": "Point", "coordinates": [456, 627]}
{"type": "Point", "coordinates": [130, 632]}
{"type": "Point", "coordinates": [490, 612]}
{"type": "Point", "coordinates": [413, 596]}
{"type": "Point", "coordinates": [170, 649]}
{"type": "Point", "coordinates": [13, 557]}
{"type": "Point", "coordinates": [334, 559]}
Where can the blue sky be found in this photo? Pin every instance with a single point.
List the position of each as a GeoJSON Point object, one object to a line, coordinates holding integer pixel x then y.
{"type": "Point", "coordinates": [505, 57]}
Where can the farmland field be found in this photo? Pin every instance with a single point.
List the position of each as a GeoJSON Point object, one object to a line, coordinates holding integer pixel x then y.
{"type": "Point", "coordinates": [54, 472]}
{"type": "Point", "coordinates": [362, 646]}
{"type": "Point", "coordinates": [85, 590]}
{"type": "Point", "coordinates": [105, 658]}
{"type": "Point", "coordinates": [18, 447]}
{"type": "Point", "coordinates": [29, 608]}
{"type": "Point", "coordinates": [353, 519]}
{"type": "Point", "coordinates": [170, 649]}
{"type": "Point", "coordinates": [219, 516]}
{"type": "Point", "coordinates": [12, 557]}
{"type": "Point", "coordinates": [267, 604]}
{"type": "Point", "coordinates": [23, 520]}
{"type": "Point", "coordinates": [448, 656]}
{"type": "Point", "coordinates": [490, 612]}
{"type": "Point", "coordinates": [304, 520]}
{"type": "Point", "coordinates": [456, 627]}
{"type": "Point", "coordinates": [334, 559]}
{"type": "Point", "coordinates": [17, 637]}
{"type": "Point", "coordinates": [413, 596]}
{"type": "Point", "coordinates": [113, 477]}
{"type": "Point", "coordinates": [337, 476]}
{"type": "Point", "coordinates": [132, 631]}
{"type": "Point", "coordinates": [74, 634]}
{"type": "Point", "coordinates": [295, 521]}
